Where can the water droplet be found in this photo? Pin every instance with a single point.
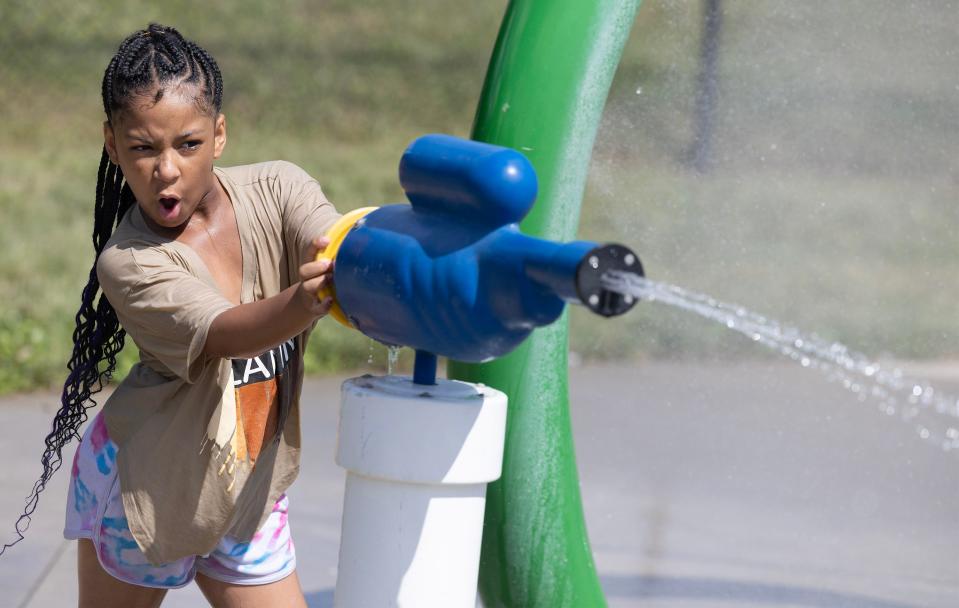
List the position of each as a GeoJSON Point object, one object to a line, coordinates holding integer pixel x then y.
{"type": "Point", "coordinates": [916, 390]}
{"type": "Point", "coordinates": [924, 433]}
{"type": "Point", "coordinates": [798, 343]}
{"type": "Point", "coordinates": [757, 337]}
{"type": "Point", "coordinates": [639, 90]}
{"type": "Point", "coordinates": [805, 362]}
{"type": "Point", "coordinates": [730, 324]}
{"type": "Point", "coordinates": [593, 300]}
{"type": "Point", "coordinates": [594, 261]}
{"type": "Point", "coordinates": [630, 259]}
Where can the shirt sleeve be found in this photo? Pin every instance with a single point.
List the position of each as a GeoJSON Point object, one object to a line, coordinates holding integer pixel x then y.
{"type": "Point", "coordinates": [307, 213]}
{"type": "Point", "coordinates": [166, 310]}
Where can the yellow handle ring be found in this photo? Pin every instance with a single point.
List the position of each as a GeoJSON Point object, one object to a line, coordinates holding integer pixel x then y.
{"type": "Point", "coordinates": [337, 233]}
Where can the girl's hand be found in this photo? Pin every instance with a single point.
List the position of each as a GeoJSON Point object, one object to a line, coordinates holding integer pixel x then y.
{"type": "Point", "coordinates": [314, 275]}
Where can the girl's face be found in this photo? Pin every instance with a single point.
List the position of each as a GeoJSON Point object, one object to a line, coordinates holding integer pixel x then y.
{"type": "Point", "coordinates": [166, 150]}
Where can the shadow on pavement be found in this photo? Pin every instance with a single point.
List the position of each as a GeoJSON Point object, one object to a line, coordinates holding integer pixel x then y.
{"type": "Point", "coordinates": [741, 591]}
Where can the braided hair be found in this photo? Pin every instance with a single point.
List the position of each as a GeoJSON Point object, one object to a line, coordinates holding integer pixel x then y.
{"type": "Point", "coordinates": [148, 62]}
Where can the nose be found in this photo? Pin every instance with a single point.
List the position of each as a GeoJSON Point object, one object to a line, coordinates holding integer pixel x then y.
{"type": "Point", "coordinates": [166, 169]}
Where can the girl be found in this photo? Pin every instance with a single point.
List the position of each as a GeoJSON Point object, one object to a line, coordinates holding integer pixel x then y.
{"type": "Point", "coordinates": [182, 475]}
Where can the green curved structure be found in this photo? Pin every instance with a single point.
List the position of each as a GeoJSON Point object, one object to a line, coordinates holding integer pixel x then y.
{"type": "Point", "coordinates": [544, 94]}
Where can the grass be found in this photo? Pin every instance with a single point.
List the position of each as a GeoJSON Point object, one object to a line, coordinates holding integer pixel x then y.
{"type": "Point", "coordinates": [831, 205]}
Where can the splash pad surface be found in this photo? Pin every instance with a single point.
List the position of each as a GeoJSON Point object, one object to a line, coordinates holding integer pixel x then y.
{"type": "Point", "coordinates": [754, 484]}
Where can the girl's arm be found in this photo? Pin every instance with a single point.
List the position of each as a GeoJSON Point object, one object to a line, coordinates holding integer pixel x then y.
{"type": "Point", "coordinates": [249, 329]}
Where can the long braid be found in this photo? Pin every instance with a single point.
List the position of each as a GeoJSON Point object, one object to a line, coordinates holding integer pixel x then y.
{"type": "Point", "coordinates": [154, 58]}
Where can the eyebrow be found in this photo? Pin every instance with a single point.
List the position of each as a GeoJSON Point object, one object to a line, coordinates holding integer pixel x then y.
{"type": "Point", "coordinates": [145, 140]}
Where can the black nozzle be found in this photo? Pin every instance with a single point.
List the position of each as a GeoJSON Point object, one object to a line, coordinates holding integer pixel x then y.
{"type": "Point", "coordinates": [589, 279]}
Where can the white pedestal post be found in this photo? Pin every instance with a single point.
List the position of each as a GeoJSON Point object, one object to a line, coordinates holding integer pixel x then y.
{"type": "Point", "coordinates": [418, 459]}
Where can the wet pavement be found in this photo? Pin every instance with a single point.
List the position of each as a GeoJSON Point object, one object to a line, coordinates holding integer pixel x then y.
{"type": "Point", "coordinates": [739, 484]}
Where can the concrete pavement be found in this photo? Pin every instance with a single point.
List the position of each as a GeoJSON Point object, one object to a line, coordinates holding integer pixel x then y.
{"type": "Point", "coordinates": [704, 485]}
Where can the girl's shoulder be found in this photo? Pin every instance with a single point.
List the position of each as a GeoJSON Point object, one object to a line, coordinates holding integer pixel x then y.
{"type": "Point", "coordinates": [135, 253]}
{"type": "Point", "coordinates": [281, 171]}
{"type": "Point", "coordinates": [273, 190]}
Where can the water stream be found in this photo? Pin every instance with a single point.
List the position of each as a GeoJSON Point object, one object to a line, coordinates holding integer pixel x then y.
{"type": "Point", "coordinates": [392, 357]}
{"type": "Point", "coordinates": [933, 414]}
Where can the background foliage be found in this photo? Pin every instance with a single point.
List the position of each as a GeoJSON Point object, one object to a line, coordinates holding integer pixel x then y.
{"type": "Point", "coordinates": [830, 202]}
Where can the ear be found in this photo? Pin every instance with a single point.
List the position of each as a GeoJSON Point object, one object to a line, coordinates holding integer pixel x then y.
{"type": "Point", "coordinates": [110, 142]}
{"type": "Point", "coordinates": [219, 135]}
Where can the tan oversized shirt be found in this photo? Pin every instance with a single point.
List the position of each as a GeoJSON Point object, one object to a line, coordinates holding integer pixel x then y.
{"type": "Point", "coordinates": [206, 446]}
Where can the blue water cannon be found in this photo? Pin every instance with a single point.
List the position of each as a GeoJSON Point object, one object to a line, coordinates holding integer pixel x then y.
{"type": "Point", "coordinates": [451, 274]}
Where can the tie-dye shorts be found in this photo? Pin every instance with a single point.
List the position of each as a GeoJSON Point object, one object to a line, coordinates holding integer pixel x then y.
{"type": "Point", "coordinates": [95, 511]}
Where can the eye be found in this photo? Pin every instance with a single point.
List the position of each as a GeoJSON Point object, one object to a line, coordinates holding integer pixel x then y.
{"type": "Point", "coordinates": [192, 144]}
{"type": "Point", "coordinates": [140, 148]}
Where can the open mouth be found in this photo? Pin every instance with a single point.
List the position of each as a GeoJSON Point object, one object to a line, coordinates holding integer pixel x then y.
{"type": "Point", "coordinates": [169, 205]}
